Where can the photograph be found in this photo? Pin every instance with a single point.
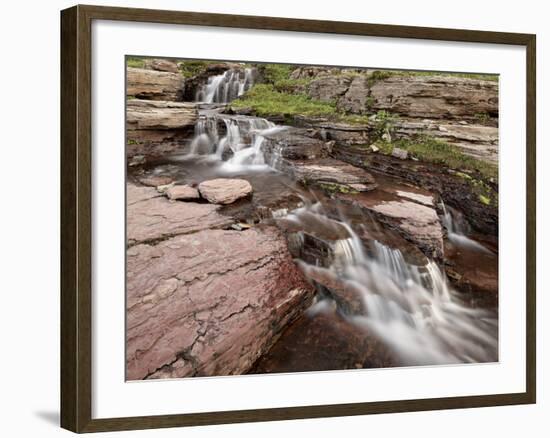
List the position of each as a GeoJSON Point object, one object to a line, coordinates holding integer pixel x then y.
{"type": "Point", "coordinates": [297, 218]}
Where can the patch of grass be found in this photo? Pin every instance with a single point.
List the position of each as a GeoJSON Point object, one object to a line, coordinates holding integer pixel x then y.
{"type": "Point", "coordinates": [482, 118]}
{"type": "Point", "coordinates": [431, 150]}
{"type": "Point", "coordinates": [383, 74]}
{"type": "Point", "coordinates": [134, 62]}
{"type": "Point", "coordinates": [379, 75]}
{"type": "Point", "coordinates": [266, 100]}
{"type": "Point", "coordinates": [484, 199]}
{"type": "Point", "coordinates": [189, 69]}
{"type": "Point", "coordinates": [273, 73]}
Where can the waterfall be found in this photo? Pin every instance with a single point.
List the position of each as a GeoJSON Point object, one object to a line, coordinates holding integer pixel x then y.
{"type": "Point", "coordinates": [458, 229]}
{"type": "Point", "coordinates": [238, 144]}
{"type": "Point", "coordinates": [227, 86]}
{"type": "Point", "coordinates": [412, 309]}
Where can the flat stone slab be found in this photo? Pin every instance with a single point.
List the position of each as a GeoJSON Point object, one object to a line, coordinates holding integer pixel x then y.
{"type": "Point", "coordinates": [151, 216]}
{"type": "Point", "coordinates": [328, 171]}
{"type": "Point", "coordinates": [209, 303]}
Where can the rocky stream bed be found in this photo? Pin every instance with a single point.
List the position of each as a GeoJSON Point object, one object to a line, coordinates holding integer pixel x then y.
{"type": "Point", "coordinates": [285, 244]}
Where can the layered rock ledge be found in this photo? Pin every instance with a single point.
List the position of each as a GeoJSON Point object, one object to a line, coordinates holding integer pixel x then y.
{"type": "Point", "coordinates": [209, 303]}
{"type": "Point", "coordinates": [154, 128]}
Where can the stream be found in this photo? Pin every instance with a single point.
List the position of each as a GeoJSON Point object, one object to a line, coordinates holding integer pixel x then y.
{"type": "Point", "coordinates": [380, 301]}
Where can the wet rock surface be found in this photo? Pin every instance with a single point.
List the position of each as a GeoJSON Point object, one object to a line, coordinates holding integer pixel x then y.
{"type": "Point", "coordinates": [406, 209]}
{"type": "Point", "coordinates": [209, 303]}
{"type": "Point", "coordinates": [330, 174]}
{"type": "Point", "coordinates": [324, 340]}
{"type": "Point", "coordinates": [453, 188]}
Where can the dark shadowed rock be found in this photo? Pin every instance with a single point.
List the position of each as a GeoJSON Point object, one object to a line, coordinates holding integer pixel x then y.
{"type": "Point", "coordinates": [322, 339]}
{"type": "Point", "coordinates": [224, 190]}
{"type": "Point", "coordinates": [209, 303]}
{"type": "Point", "coordinates": [294, 145]}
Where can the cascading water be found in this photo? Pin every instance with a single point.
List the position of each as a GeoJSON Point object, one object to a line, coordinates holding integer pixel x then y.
{"type": "Point", "coordinates": [240, 142]}
{"type": "Point", "coordinates": [410, 308]}
{"type": "Point", "coordinates": [458, 229]}
{"type": "Point", "coordinates": [227, 86]}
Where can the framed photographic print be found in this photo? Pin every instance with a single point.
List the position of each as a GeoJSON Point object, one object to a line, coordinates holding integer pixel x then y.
{"type": "Point", "coordinates": [292, 218]}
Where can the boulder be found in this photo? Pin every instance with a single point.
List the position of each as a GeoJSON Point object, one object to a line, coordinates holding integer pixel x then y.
{"type": "Point", "coordinates": [161, 65]}
{"type": "Point", "coordinates": [182, 193]}
{"type": "Point", "coordinates": [402, 154]}
{"type": "Point", "coordinates": [209, 303]}
{"type": "Point", "coordinates": [329, 88]}
{"type": "Point", "coordinates": [293, 144]}
{"type": "Point", "coordinates": [224, 190]}
{"type": "Point", "coordinates": [154, 85]}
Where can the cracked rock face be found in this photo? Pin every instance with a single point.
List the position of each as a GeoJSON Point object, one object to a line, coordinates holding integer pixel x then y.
{"type": "Point", "coordinates": [151, 216]}
{"type": "Point", "coordinates": [209, 303]}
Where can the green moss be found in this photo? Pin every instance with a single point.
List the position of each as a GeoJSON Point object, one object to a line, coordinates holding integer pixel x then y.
{"type": "Point", "coordinates": [482, 117]}
{"type": "Point", "coordinates": [378, 75]}
{"type": "Point", "coordinates": [189, 69]}
{"type": "Point", "coordinates": [428, 149]}
{"type": "Point", "coordinates": [273, 73]}
{"type": "Point", "coordinates": [265, 101]}
{"type": "Point", "coordinates": [337, 188]}
{"type": "Point", "coordinates": [383, 74]}
{"type": "Point", "coordinates": [131, 142]}
{"type": "Point", "coordinates": [484, 199]}
{"type": "Point", "coordinates": [134, 62]}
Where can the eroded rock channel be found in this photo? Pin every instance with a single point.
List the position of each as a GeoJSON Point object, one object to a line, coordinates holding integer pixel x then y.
{"type": "Point", "coordinates": [293, 242]}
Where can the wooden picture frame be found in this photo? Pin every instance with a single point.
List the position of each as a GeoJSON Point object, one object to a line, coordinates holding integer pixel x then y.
{"type": "Point", "coordinates": [76, 217]}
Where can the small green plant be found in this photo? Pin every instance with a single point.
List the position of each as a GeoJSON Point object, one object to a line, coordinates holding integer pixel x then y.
{"type": "Point", "coordinates": [134, 62]}
{"type": "Point", "coordinates": [384, 125]}
{"type": "Point", "coordinates": [484, 199]}
{"type": "Point", "coordinates": [482, 118]}
{"type": "Point", "coordinates": [378, 75]}
{"type": "Point", "coordinates": [189, 69]}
